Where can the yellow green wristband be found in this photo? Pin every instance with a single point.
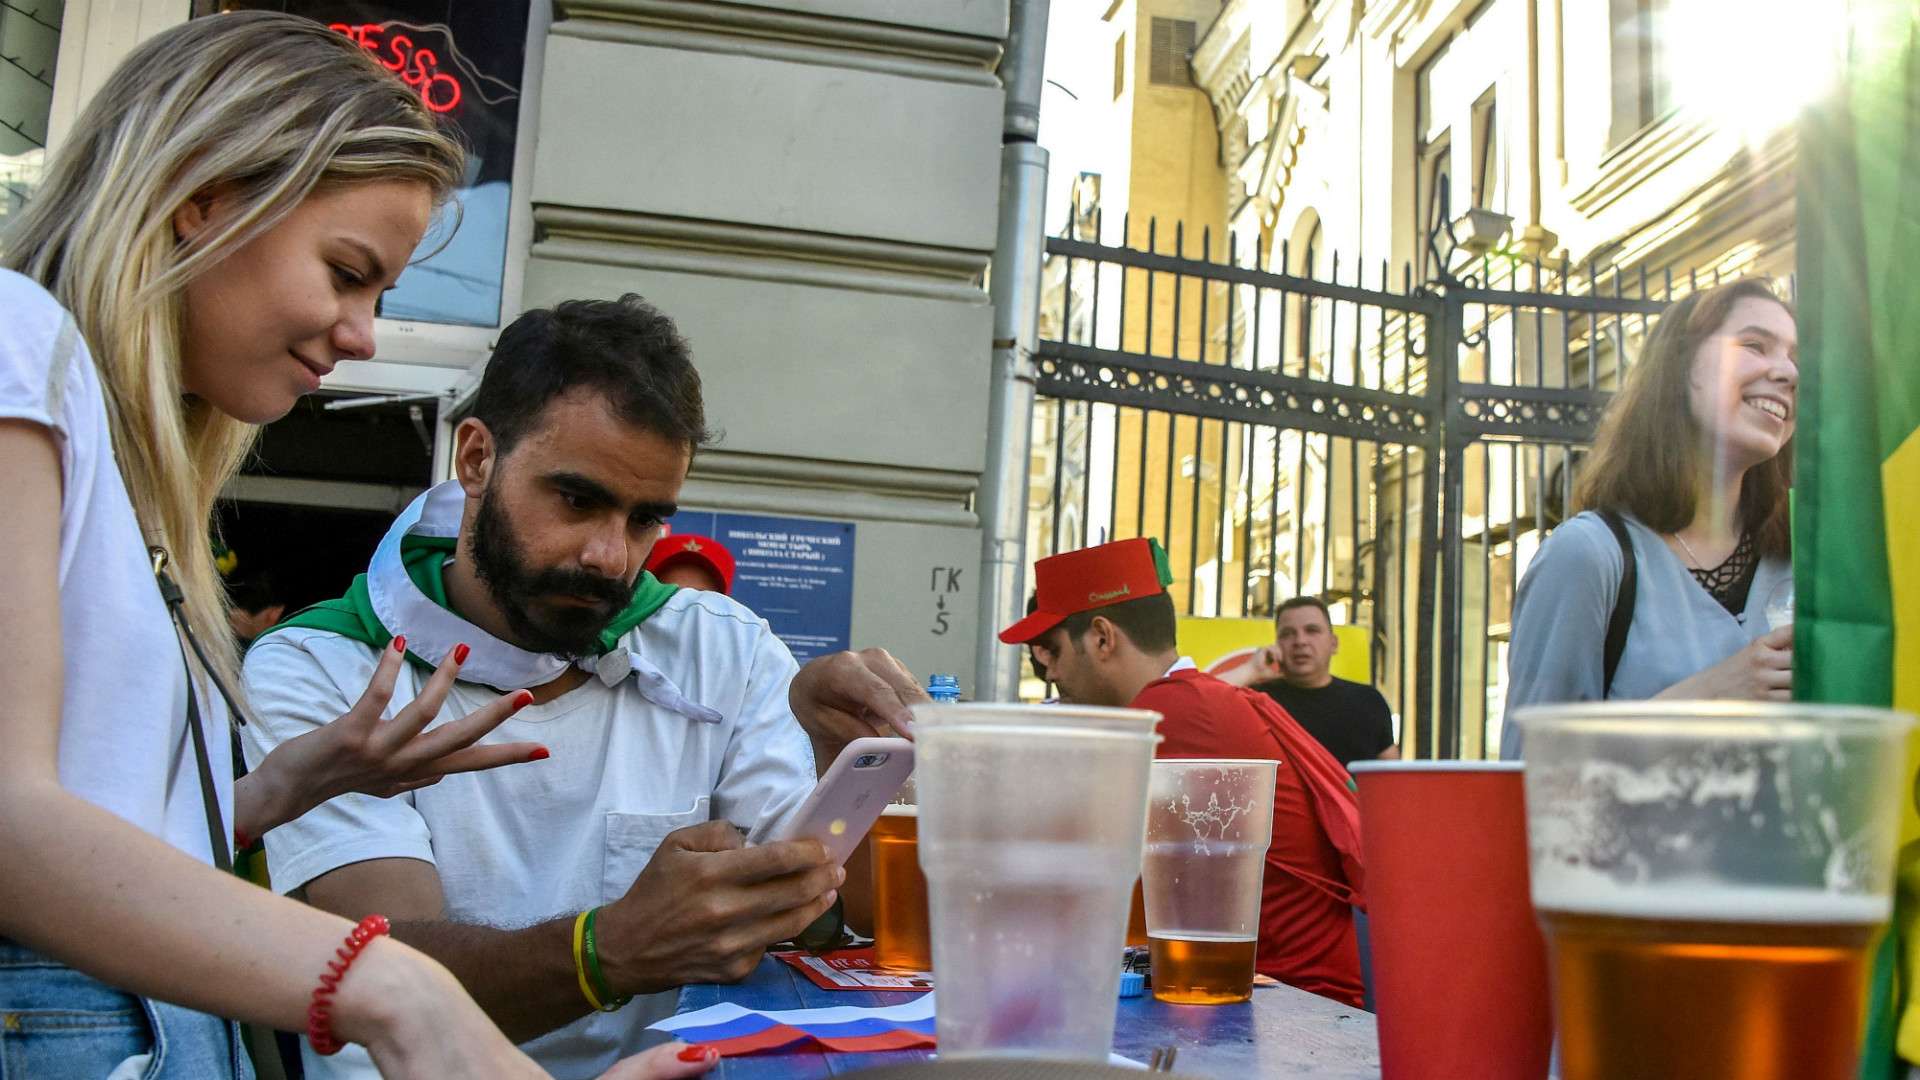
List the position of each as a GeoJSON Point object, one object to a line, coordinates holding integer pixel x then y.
{"type": "Point", "coordinates": [597, 976]}
{"type": "Point", "coordinates": [579, 961]}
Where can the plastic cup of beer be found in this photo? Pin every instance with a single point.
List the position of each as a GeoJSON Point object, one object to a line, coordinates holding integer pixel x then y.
{"type": "Point", "coordinates": [901, 941]}
{"type": "Point", "coordinates": [1031, 823]}
{"type": "Point", "coordinates": [1711, 879]}
{"type": "Point", "coordinates": [1209, 823]}
{"type": "Point", "coordinates": [1137, 916]}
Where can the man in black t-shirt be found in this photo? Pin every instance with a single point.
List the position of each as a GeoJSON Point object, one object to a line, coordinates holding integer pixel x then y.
{"type": "Point", "coordinates": [1350, 719]}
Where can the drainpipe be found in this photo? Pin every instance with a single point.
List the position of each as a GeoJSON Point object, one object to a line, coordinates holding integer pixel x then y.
{"type": "Point", "coordinates": [1015, 285]}
{"type": "Point", "coordinates": [1535, 240]}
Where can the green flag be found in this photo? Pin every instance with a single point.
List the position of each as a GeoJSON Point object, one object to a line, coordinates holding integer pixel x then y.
{"type": "Point", "coordinates": [1857, 509]}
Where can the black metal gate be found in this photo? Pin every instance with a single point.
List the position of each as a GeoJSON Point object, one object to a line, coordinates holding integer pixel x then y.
{"type": "Point", "coordinates": [1397, 449]}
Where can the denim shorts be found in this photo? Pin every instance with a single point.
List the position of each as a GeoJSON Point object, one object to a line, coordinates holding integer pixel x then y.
{"type": "Point", "coordinates": [58, 1024]}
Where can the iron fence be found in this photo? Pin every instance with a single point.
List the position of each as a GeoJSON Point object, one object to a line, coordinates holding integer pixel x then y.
{"type": "Point", "coordinates": [1287, 424]}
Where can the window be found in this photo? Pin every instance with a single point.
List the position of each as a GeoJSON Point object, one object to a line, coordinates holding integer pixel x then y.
{"type": "Point", "coordinates": [1172, 45]}
{"type": "Point", "coordinates": [1486, 153]}
{"type": "Point", "coordinates": [1119, 66]}
{"type": "Point", "coordinates": [1433, 182]}
{"type": "Point", "coordinates": [1642, 80]}
{"type": "Point", "coordinates": [465, 60]}
{"type": "Point", "coordinates": [29, 46]}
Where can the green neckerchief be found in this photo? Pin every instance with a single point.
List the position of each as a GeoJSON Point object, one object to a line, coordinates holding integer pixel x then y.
{"type": "Point", "coordinates": [425, 558]}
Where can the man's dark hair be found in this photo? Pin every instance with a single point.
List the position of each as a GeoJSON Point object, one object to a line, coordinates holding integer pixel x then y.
{"type": "Point", "coordinates": [254, 591]}
{"type": "Point", "coordinates": [624, 349]}
{"type": "Point", "coordinates": [1299, 602]}
{"type": "Point", "coordinates": [1033, 658]}
{"type": "Point", "coordinates": [1148, 622]}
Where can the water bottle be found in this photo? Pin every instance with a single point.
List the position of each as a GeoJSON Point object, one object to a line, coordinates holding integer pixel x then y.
{"type": "Point", "coordinates": [944, 689]}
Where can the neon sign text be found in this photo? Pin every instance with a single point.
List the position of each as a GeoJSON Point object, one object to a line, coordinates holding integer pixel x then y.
{"type": "Point", "coordinates": [417, 66]}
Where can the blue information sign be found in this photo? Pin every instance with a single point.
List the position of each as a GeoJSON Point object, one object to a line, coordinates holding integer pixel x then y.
{"type": "Point", "coordinates": [796, 573]}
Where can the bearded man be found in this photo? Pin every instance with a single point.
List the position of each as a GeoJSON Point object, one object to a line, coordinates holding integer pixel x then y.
{"type": "Point", "coordinates": [666, 731]}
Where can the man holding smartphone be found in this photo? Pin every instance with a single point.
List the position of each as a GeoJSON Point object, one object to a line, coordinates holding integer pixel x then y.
{"type": "Point", "coordinates": [674, 729]}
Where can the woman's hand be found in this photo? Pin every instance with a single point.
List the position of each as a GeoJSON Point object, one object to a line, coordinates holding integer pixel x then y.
{"type": "Point", "coordinates": [364, 753]}
{"type": "Point", "coordinates": [1763, 671]}
{"type": "Point", "coordinates": [418, 1022]}
{"type": "Point", "coordinates": [668, 1062]}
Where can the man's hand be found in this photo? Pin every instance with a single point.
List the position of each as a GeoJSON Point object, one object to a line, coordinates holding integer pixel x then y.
{"type": "Point", "coordinates": [1262, 666]}
{"type": "Point", "coordinates": [706, 907]}
{"type": "Point", "coordinates": [849, 695]}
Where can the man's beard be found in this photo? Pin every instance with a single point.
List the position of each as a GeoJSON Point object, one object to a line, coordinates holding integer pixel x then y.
{"type": "Point", "coordinates": [525, 594]}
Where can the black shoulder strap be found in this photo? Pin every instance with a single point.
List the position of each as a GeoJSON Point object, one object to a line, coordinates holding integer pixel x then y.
{"type": "Point", "coordinates": [217, 834]}
{"type": "Point", "coordinates": [209, 793]}
{"type": "Point", "coordinates": [1622, 618]}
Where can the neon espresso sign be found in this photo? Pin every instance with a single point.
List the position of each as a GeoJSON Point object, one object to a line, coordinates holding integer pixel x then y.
{"type": "Point", "coordinates": [417, 65]}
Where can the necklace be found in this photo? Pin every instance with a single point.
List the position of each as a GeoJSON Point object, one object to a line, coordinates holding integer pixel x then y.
{"type": "Point", "coordinates": [1693, 562]}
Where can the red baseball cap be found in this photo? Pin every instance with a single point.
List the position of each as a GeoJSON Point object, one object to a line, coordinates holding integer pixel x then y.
{"type": "Point", "coordinates": [693, 548]}
{"type": "Point", "coordinates": [1095, 577]}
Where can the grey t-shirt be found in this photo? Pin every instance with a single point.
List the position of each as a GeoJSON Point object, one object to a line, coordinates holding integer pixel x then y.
{"type": "Point", "coordinates": [1560, 615]}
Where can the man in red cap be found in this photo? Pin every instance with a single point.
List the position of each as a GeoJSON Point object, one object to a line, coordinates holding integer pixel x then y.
{"type": "Point", "coordinates": [693, 562]}
{"type": "Point", "coordinates": [1104, 629]}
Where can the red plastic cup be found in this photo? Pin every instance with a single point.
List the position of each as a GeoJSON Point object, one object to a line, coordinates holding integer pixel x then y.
{"type": "Point", "coordinates": [1459, 966]}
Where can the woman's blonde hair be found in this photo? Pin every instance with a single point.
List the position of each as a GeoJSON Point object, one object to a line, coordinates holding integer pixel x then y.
{"type": "Point", "coordinates": [264, 108]}
{"type": "Point", "coordinates": [1650, 457]}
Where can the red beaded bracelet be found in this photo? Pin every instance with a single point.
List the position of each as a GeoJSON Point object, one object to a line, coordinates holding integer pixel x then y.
{"type": "Point", "coordinates": [319, 1014]}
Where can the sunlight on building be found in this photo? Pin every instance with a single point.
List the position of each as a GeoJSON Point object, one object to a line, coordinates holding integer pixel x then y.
{"type": "Point", "coordinates": [1750, 69]}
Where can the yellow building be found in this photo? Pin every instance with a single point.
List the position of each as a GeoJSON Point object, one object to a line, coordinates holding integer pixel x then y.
{"type": "Point", "coordinates": [1168, 197]}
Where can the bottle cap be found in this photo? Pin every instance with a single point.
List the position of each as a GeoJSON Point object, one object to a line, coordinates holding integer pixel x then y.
{"type": "Point", "coordinates": [1132, 984]}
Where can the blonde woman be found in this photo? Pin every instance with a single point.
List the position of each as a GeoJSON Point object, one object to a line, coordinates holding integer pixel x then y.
{"type": "Point", "coordinates": [209, 242]}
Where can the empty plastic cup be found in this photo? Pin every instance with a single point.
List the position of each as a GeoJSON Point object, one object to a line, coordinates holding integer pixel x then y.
{"type": "Point", "coordinates": [1209, 822]}
{"type": "Point", "coordinates": [1031, 822]}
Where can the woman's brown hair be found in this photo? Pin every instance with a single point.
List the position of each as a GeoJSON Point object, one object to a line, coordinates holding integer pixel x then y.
{"type": "Point", "coordinates": [1649, 457]}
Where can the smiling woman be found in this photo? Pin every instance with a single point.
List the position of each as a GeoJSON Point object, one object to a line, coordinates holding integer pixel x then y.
{"type": "Point", "coordinates": [211, 238]}
{"type": "Point", "coordinates": [1659, 587]}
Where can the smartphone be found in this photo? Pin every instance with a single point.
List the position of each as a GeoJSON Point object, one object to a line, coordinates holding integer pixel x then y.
{"type": "Point", "coordinates": [849, 798]}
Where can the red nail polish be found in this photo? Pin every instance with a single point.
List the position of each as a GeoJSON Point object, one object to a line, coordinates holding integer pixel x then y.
{"type": "Point", "coordinates": [698, 1052]}
{"type": "Point", "coordinates": [400, 643]}
{"type": "Point", "coordinates": [539, 754]}
{"type": "Point", "coordinates": [522, 699]}
{"type": "Point", "coordinates": [460, 654]}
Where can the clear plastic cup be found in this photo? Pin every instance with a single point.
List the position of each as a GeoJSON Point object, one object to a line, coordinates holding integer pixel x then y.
{"type": "Point", "coordinates": [1779, 609]}
{"type": "Point", "coordinates": [1711, 878]}
{"type": "Point", "coordinates": [1209, 823]}
{"type": "Point", "coordinates": [1031, 827]}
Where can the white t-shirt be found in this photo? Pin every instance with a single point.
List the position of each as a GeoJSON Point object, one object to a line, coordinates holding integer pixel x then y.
{"type": "Point", "coordinates": [527, 843]}
{"type": "Point", "coordinates": [123, 734]}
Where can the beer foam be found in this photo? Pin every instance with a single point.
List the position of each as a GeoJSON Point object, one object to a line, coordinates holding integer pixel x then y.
{"type": "Point", "coordinates": [1709, 903]}
{"type": "Point", "coordinates": [900, 810]}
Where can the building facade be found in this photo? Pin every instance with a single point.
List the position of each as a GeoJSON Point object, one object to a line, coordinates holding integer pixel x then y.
{"type": "Point", "coordinates": [1376, 156]}
{"type": "Point", "coordinates": [808, 187]}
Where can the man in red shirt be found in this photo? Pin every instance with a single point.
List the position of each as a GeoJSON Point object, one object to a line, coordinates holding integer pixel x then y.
{"type": "Point", "coordinates": [1104, 629]}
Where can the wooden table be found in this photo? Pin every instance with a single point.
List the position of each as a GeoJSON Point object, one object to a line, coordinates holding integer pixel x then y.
{"type": "Point", "coordinates": [1281, 1032]}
